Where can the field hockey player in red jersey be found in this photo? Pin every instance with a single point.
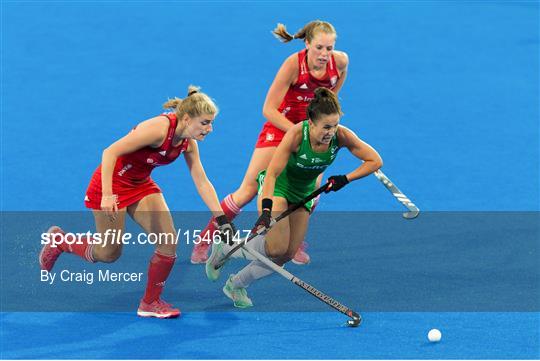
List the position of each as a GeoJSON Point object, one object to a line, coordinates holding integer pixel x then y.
{"type": "Point", "coordinates": [122, 185]}
{"type": "Point", "coordinates": [317, 65]}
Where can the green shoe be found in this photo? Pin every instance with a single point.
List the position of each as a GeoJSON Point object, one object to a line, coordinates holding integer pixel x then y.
{"type": "Point", "coordinates": [215, 257]}
{"type": "Point", "coordinates": [238, 295]}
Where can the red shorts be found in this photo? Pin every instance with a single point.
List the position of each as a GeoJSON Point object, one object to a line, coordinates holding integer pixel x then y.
{"type": "Point", "coordinates": [270, 136]}
{"type": "Point", "coordinates": [128, 192]}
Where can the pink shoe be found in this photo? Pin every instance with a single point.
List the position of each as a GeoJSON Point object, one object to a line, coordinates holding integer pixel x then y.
{"type": "Point", "coordinates": [158, 308]}
{"type": "Point", "coordinates": [301, 257]}
{"type": "Point", "coordinates": [200, 253]}
{"type": "Point", "coordinates": [49, 254]}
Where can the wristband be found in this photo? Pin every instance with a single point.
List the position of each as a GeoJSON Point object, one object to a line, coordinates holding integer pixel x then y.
{"type": "Point", "coordinates": [267, 204]}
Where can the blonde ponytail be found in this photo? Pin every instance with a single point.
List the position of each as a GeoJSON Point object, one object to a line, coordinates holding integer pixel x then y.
{"type": "Point", "coordinates": [195, 104]}
{"type": "Point", "coordinates": [307, 32]}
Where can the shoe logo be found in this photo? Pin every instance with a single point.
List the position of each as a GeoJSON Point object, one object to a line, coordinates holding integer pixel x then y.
{"type": "Point", "coordinates": [163, 152]}
{"type": "Point", "coordinates": [303, 86]}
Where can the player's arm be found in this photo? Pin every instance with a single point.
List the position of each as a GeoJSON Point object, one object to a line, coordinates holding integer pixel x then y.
{"type": "Point", "coordinates": [342, 63]}
{"type": "Point", "coordinates": [204, 187]}
{"type": "Point", "coordinates": [361, 150]}
{"type": "Point", "coordinates": [206, 190]}
{"type": "Point", "coordinates": [151, 132]}
{"type": "Point", "coordinates": [288, 145]}
{"type": "Point", "coordinates": [284, 78]}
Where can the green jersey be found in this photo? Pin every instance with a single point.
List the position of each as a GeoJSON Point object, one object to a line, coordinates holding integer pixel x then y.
{"type": "Point", "coordinates": [297, 180]}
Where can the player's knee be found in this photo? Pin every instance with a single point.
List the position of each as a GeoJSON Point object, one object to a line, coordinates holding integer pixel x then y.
{"type": "Point", "coordinates": [109, 256]}
{"type": "Point", "coordinates": [277, 251]}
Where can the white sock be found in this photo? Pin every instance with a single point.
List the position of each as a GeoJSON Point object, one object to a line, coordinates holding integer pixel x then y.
{"type": "Point", "coordinates": [256, 244]}
{"type": "Point", "coordinates": [252, 272]}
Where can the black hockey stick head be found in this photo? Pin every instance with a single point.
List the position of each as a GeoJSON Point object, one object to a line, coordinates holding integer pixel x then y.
{"type": "Point", "coordinates": [355, 319]}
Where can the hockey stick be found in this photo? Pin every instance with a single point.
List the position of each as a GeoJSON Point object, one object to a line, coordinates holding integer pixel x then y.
{"type": "Point", "coordinates": [263, 231]}
{"type": "Point", "coordinates": [413, 209]}
{"type": "Point", "coordinates": [355, 318]}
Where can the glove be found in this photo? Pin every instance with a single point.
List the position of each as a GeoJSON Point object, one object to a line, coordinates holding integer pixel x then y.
{"type": "Point", "coordinates": [226, 229]}
{"type": "Point", "coordinates": [265, 219]}
{"type": "Point", "coordinates": [336, 183]}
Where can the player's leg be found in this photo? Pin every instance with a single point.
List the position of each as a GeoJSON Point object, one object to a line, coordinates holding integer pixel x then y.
{"type": "Point", "coordinates": [220, 249]}
{"type": "Point", "coordinates": [275, 244]}
{"type": "Point", "coordinates": [299, 221]}
{"type": "Point", "coordinates": [233, 202]}
{"type": "Point", "coordinates": [153, 215]}
{"type": "Point", "coordinates": [86, 247]}
{"type": "Point", "coordinates": [301, 257]}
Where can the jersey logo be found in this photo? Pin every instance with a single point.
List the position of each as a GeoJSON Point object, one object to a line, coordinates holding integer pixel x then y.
{"type": "Point", "coordinates": [303, 86]}
{"type": "Point", "coordinates": [305, 99]}
{"type": "Point", "coordinates": [149, 161]}
{"type": "Point", "coordinates": [163, 152]}
{"type": "Point", "coordinates": [125, 169]}
{"type": "Point", "coordinates": [333, 80]}
{"type": "Point", "coordinates": [269, 137]}
{"type": "Point", "coordinates": [86, 198]}
{"type": "Point", "coordinates": [303, 156]}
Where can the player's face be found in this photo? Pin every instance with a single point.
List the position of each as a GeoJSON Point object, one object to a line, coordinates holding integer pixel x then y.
{"type": "Point", "coordinates": [324, 128]}
{"type": "Point", "coordinates": [320, 49]}
{"type": "Point", "coordinates": [200, 126]}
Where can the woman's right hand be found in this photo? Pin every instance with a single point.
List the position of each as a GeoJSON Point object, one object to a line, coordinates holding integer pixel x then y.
{"type": "Point", "coordinates": [109, 204]}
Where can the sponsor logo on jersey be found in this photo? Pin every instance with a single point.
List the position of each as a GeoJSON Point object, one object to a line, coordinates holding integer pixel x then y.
{"type": "Point", "coordinates": [286, 110]}
{"type": "Point", "coordinates": [333, 80]}
{"type": "Point", "coordinates": [312, 167]}
{"type": "Point", "coordinates": [154, 163]}
{"type": "Point", "coordinates": [86, 199]}
{"type": "Point", "coordinates": [303, 86]}
{"type": "Point", "coordinates": [124, 169]}
{"type": "Point", "coordinates": [304, 99]}
{"type": "Point", "coordinates": [303, 156]}
{"type": "Point", "coordinates": [269, 137]}
{"type": "Point", "coordinates": [163, 152]}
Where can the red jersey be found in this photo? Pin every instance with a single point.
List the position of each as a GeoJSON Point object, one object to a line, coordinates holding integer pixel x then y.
{"type": "Point", "coordinates": [294, 105]}
{"type": "Point", "coordinates": [131, 176]}
{"type": "Point", "coordinates": [296, 100]}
